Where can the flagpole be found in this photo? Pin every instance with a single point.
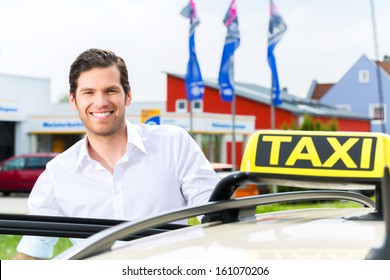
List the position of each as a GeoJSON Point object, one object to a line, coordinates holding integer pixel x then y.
{"type": "Point", "coordinates": [276, 29]}
{"type": "Point", "coordinates": [272, 108]}
{"type": "Point", "coordinates": [194, 84]}
{"type": "Point", "coordinates": [191, 119]}
{"type": "Point", "coordinates": [378, 68]}
{"type": "Point", "coordinates": [233, 112]}
{"type": "Point", "coordinates": [226, 72]}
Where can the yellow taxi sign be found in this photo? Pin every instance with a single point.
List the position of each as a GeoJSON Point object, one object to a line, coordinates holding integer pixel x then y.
{"type": "Point", "coordinates": [317, 153]}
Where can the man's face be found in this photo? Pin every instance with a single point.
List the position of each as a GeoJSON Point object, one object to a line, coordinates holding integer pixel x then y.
{"type": "Point", "coordinates": [100, 101]}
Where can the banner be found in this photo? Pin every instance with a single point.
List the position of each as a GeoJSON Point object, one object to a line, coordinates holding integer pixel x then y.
{"type": "Point", "coordinates": [232, 42]}
{"type": "Point", "coordinates": [276, 29]}
{"type": "Point", "coordinates": [193, 81]}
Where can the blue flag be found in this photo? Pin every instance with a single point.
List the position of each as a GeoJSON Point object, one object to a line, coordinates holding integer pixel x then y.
{"type": "Point", "coordinates": [193, 81]}
{"type": "Point", "coordinates": [232, 41]}
{"type": "Point", "coordinates": [276, 29]}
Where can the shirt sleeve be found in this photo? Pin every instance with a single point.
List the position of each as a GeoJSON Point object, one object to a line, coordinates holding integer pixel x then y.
{"type": "Point", "coordinates": [197, 176]}
{"type": "Point", "coordinates": [41, 202]}
{"type": "Point", "coordinates": [37, 246]}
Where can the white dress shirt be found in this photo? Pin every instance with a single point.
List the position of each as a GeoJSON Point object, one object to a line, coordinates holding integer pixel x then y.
{"type": "Point", "coordinates": [163, 168]}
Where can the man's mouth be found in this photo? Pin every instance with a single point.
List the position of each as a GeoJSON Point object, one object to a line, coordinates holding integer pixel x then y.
{"type": "Point", "coordinates": [101, 114]}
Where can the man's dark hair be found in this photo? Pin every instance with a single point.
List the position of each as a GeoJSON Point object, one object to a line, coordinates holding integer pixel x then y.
{"type": "Point", "coordinates": [97, 58]}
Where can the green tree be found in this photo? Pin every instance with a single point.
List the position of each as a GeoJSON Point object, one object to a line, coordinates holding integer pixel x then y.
{"type": "Point", "coordinates": [64, 99]}
{"type": "Point", "coordinates": [309, 124]}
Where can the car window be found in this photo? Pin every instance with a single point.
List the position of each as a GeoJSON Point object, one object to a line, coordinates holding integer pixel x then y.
{"type": "Point", "coordinates": [36, 162]}
{"type": "Point", "coordinates": [14, 164]}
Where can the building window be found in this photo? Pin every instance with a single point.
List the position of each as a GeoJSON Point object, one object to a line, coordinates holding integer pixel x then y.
{"type": "Point", "coordinates": [345, 107]}
{"type": "Point", "coordinates": [197, 105]}
{"type": "Point", "coordinates": [364, 76]}
{"type": "Point", "coordinates": [378, 113]}
{"type": "Point", "coordinates": [181, 106]}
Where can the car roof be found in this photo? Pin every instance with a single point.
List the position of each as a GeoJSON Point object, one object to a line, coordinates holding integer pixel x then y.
{"type": "Point", "coordinates": [29, 155]}
{"type": "Point", "coordinates": [220, 166]}
{"type": "Point", "coordinates": [299, 234]}
{"type": "Point", "coordinates": [48, 154]}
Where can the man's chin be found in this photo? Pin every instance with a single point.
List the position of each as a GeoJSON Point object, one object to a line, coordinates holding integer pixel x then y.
{"type": "Point", "coordinates": [103, 132]}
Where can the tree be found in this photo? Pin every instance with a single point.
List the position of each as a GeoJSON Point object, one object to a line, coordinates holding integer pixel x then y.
{"type": "Point", "coordinates": [310, 124]}
{"type": "Point", "coordinates": [64, 99]}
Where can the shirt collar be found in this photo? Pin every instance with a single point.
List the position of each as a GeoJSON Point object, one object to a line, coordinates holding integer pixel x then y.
{"type": "Point", "coordinates": [134, 138]}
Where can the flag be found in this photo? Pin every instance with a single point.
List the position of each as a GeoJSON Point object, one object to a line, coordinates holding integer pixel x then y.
{"type": "Point", "coordinates": [232, 41]}
{"type": "Point", "coordinates": [276, 29]}
{"type": "Point", "coordinates": [193, 81]}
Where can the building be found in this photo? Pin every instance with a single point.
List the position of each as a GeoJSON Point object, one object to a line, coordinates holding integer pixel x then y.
{"type": "Point", "coordinates": [252, 101]}
{"type": "Point", "coordinates": [30, 123]}
{"type": "Point", "coordinates": [363, 90]}
{"type": "Point", "coordinates": [20, 97]}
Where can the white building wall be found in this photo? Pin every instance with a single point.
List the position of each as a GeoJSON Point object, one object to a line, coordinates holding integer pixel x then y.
{"type": "Point", "coordinates": [25, 101]}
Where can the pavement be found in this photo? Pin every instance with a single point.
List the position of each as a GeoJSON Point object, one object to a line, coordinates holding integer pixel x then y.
{"type": "Point", "coordinates": [14, 204]}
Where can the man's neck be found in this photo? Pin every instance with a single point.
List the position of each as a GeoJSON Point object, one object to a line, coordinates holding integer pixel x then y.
{"type": "Point", "coordinates": [107, 150]}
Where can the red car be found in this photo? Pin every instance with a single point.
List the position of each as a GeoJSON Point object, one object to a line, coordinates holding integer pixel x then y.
{"type": "Point", "coordinates": [19, 173]}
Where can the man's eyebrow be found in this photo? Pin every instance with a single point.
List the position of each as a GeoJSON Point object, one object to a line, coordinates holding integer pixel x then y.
{"type": "Point", "coordinates": [105, 89]}
{"type": "Point", "coordinates": [113, 87]}
{"type": "Point", "coordinates": [86, 89]}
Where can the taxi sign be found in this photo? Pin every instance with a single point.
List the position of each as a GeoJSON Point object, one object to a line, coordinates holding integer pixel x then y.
{"type": "Point", "coordinates": [317, 153]}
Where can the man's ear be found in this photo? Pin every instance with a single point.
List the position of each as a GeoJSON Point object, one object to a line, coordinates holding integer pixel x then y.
{"type": "Point", "coordinates": [72, 101]}
{"type": "Point", "coordinates": [128, 98]}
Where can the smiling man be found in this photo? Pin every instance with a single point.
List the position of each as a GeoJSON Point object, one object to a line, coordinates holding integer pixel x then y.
{"type": "Point", "coordinates": [119, 170]}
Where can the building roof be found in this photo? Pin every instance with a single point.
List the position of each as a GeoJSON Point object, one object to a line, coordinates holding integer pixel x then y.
{"type": "Point", "coordinates": [294, 104]}
{"type": "Point", "coordinates": [385, 65]}
{"type": "Point", "coordinates": [318, 90]}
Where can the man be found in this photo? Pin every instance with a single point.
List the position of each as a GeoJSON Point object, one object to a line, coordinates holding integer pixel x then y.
{"type": "Point", "coordinates": [119, 170]}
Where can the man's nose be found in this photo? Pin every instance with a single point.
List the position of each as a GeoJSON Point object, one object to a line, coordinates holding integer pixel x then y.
{"type": "Point", "coordinates": [100, 99]}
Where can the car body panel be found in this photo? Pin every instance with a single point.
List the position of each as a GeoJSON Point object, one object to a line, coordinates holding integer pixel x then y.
{"type": "Point", "coordinates": [286, 235]}
{"type": "Point", "coordinates": [19, 173]}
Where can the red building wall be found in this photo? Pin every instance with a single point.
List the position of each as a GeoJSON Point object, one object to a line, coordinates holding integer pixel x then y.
{"type": "Point", "coordinates": [347, 124]}
{"type": "Point", "coordinates": [212, 103]}
{"type": "Point", "coordinates": [353, 125]}
{"type": "Point", "coordinates": [175, 90]}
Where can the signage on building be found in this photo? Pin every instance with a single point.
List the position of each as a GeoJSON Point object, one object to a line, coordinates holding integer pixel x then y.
{"type": "Point", "coordinates": [9, 110]}
{"type": "Point", "coordinates": [150, 116]}
{"type": "Point", "coordinates": [55, 125]}
{"type": "Point", "coordinates": [212, 123]}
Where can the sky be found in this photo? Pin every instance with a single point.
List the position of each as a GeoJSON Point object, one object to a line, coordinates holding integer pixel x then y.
{"type": "Point", "coordinates": [324, 38]}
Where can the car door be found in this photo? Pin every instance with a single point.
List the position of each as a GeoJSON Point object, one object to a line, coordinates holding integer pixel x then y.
{"type": "Point", "coordinates": [11, 174]}
{"type": "Point", "coordinates": [33, 167]}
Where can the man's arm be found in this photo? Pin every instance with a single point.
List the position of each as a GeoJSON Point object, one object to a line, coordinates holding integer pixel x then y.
{"type": "Point", "coordinates": [22, 256]}
{"type": "Point", "coordinates": [40, 202]}
{"type": "Point", "coordinates": [196, 174]}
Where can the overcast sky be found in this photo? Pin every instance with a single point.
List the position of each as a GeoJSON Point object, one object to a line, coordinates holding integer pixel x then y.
{"type": "Point", "coordinates": [41, 38]}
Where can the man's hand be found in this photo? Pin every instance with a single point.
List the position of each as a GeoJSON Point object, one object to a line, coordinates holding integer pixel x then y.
{"type": "Point", "coordinates": [22, 256]}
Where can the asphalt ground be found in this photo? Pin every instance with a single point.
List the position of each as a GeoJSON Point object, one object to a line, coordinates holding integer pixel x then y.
{"type": "Point", "coordinates": [14, 204]}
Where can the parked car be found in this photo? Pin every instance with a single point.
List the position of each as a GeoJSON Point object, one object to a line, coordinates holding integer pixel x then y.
{"type": "Point", "coordinates": [19, 173]}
